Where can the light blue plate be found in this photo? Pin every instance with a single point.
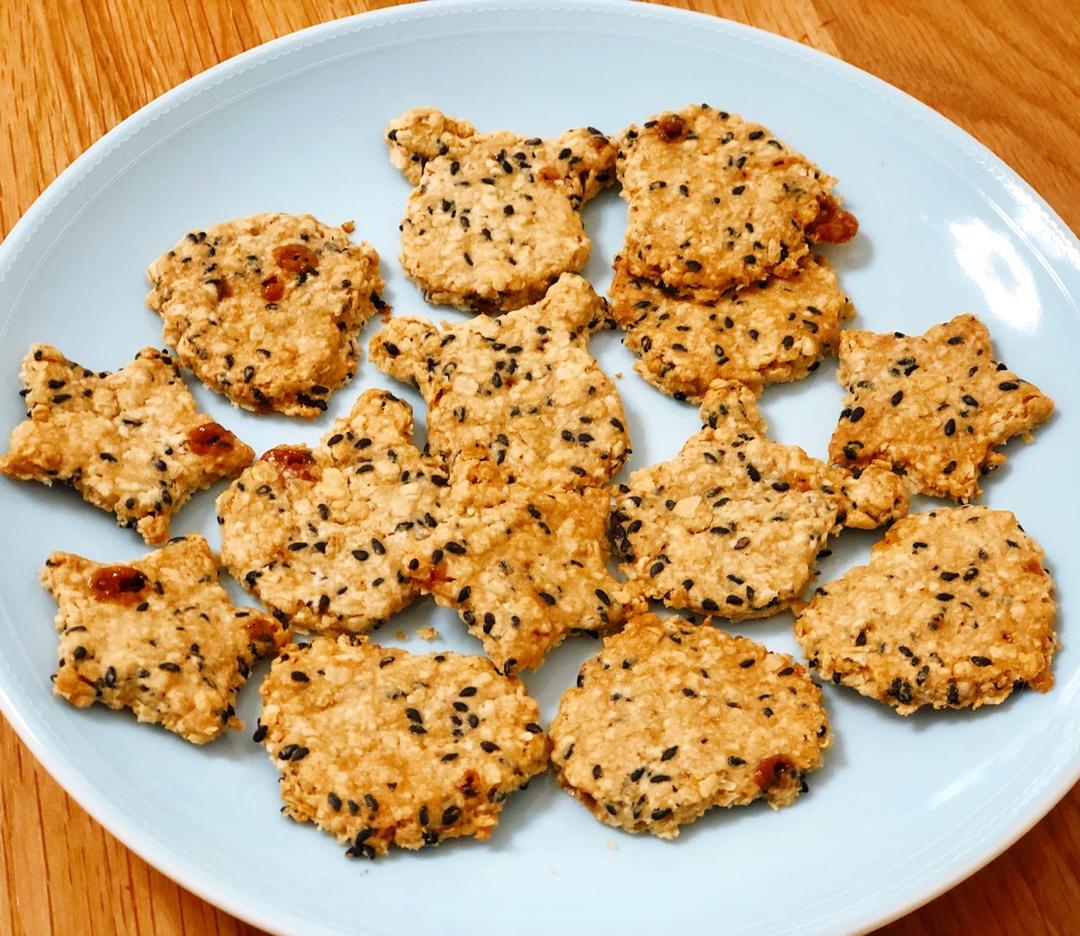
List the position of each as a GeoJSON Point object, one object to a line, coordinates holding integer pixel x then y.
{"type": "Point", "coordinates": [903, 809]}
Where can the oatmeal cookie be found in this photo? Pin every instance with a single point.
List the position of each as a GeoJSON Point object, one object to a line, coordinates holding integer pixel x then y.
{"type": "Point", "coordinates": [495, 218]}
{"type": "Point", "coordinates": [671, 719]}
{"type": "Point", "coordinates": [523, 566]}
{"type": "Point", "coordinates": [522, 386]}
{"type": "Point", "coordinates": [716, 201]}
{"type": "Point", "coordinates": [131, 442]}
{"type": "Point", "coordinates": [266, 309]}
{"type": "Point", "coordinates": [954, 610]}
{"type": "Point", "coordinates": [933, 407]}
{"type": "Point", "coordinates": [773, 331]}
{"type": "Point", "coordinates": [321, 535]}
{"type": "Point", "coordinates": [382, 747]}
{"type": "Point", "coordinates": [158, 636]}
{"type": "Point", "coordinates": [733, 524]}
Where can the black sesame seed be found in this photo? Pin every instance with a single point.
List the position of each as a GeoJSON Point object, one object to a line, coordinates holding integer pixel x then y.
{"type": "Point", "coordinates": [451, 815]}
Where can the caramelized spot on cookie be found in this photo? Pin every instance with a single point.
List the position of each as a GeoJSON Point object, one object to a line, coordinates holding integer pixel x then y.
{"type": "Point", "coordinates": [273, 288]}
{"type": "Point", "coordinates": [771, 770]}
{"type": "Point", "coordinates": [296, 258]}
{"type": "Point", "coordinates": [119, 584]}
{"type": "Point", "coordinates": [671, 128]}
{"type": "Point", "coordinates": [260, 628]}
{"type": "Point", "coordinates": [293, 459]}
{"type": "Point", "coordinates": [210, 439]}
{"type": "Point", "coordinates": [833, 224]}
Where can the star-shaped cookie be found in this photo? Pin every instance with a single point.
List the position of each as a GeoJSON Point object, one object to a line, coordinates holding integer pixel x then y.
{"type": "Point", "coordinates": [158, 636]}
{"type": "Point", "coordinates": [131, 442]}
{"type": "Point", "coordinates": [934, 407]}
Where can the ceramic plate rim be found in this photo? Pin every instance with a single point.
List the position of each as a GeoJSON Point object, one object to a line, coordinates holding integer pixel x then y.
{"type": "Point", "coordinates": [1045, 788]}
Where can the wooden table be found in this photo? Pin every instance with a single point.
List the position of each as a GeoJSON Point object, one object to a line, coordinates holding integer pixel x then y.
{"type": "Point", "coordinates": [1006, 70]}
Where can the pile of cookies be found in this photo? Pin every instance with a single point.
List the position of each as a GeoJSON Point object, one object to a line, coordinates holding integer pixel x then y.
{"type": "Point", "coordinates": [508, 514]}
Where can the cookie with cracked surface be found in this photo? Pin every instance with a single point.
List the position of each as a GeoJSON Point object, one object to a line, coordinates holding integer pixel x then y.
{"type": "Point", "coordinates": [382, 747]}
{"type": "Point", "coordinates": [321, 535]}
{"type": "Point", "coordinates": [158, 636]}
{"type": "Point", "coordinates": [716, 201]}
{"type": "Point", "coordinates": [671, 719]}
{"type": "Point", "coordinates": [131, 442]}
{"type": "Point", "coordinates": [266, 309]}
{"type": "Point", "coordinates": [522, 386]}
{"type": "Point", "coordinates": [934, 406]}
{"type": "Point", "coordinates": [954, 610]}
{"type": "Point", "coordinates": [524, 567]}
{"type": "Point", "coordinates": [773, 331]}
{"type": "Point", "coordinates": [734, 523]}
{"type": "Point", "coordinates": [495, 217]}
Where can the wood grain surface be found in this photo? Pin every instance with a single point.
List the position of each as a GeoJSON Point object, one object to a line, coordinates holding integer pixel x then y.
{"type": "Point", "coordinates": [1005, 70]}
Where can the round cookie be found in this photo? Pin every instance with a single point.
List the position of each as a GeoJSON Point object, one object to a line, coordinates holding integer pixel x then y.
{"type": "Point", "coordinates": [522, 387]}
{"type": "Point", "coordinates": [672, 718]}
{"type": "Point", "coordinates": [321, 536]}
{"type": "Point", "coordinates": [772, 331]}
{"type": "Point", "coordinates": [382, 747]}
{"type": "Point", "coordinates": [495, 218]}
{"type": "Point", "coordinates": [716, 202]}
{"type": "Point", "coordinates": [265, 310]}
{"type": "Point", "coordinates": [954, 610]}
